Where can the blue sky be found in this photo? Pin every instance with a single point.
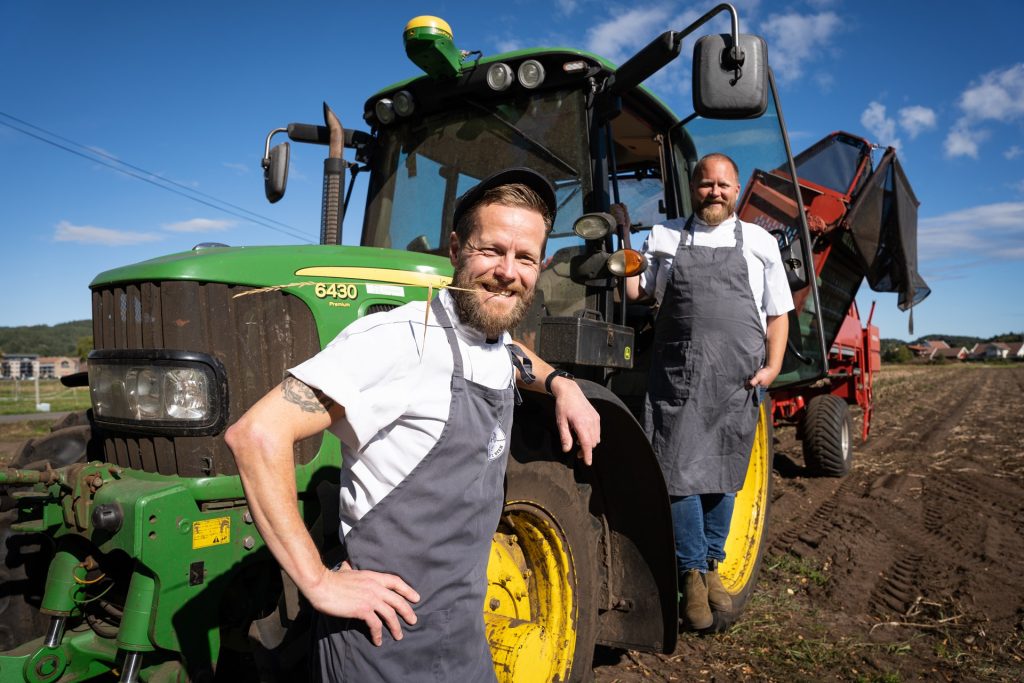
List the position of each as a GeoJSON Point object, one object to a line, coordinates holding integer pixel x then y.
{"type": "Point", "coordinates": [189, 90]}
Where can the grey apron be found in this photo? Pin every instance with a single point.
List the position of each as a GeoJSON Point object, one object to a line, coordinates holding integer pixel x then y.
{"type": "Point", "coordinates": [434, 530]}
{"type": "Point", "coordinates": [708, 340]}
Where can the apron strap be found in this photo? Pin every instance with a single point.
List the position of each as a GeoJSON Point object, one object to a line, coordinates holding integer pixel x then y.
{"type": "Point", "coordinates": [522, 363]}
{"type": "Point", "coordinates": [446, 322]}
{"type": "Point", "coordinates": [687, 228]}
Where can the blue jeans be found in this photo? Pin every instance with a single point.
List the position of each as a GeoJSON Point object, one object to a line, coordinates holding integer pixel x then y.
{"type": "Point", "coordinates": [700, 524]}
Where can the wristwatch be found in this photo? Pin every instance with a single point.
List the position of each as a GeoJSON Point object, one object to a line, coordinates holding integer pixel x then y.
{"type": "Point", "coordinates": [552, 376]}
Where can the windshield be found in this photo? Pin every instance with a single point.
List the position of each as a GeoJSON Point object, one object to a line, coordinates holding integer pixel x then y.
{"type": "Point", "coordinates": [424, 165]}
{"type": "Point", "coordinates": [757, 146]}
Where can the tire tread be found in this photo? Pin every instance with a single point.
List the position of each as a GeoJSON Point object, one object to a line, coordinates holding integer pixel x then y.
{"type": "Point", "coordinates": [826, 417]}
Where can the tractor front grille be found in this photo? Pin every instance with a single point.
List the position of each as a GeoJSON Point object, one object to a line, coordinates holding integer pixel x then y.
{"type": "Point", "coordinates": [379, 308]}
{"type": "Point", "coordinates": [257, 337]}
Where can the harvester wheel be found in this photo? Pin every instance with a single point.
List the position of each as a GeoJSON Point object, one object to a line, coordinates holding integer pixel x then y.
{"type": "Point", "coordinates": [540, 609]}
{"type": "Point", "coordinates": [828, 448]}
{"type": "Point", "coordinates": [745, 545]}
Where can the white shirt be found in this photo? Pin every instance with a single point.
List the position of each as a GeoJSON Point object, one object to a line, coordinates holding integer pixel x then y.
{"type": "Point", "coordinates": [765, 270]}
{"type": "Point", "coordinates": [396, 402]}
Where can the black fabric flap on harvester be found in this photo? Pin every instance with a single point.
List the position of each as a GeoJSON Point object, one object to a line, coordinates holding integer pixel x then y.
{"type": "Point", "coordinates": [883, 222]}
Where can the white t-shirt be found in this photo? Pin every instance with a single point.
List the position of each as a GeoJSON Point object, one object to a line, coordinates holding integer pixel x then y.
{"type": "Point", "coordinates": [765, 270]}
{"type": "Point", "coordinates": [396, 402]}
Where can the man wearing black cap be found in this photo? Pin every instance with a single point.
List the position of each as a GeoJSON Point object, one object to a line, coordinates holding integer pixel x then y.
{"type": "Point", "coordinates": [425, 440]}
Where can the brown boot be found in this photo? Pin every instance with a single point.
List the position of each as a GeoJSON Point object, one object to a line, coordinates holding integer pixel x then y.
{"type": "Point", "coordinates": [718, 598]}
{"type": "Point", "coordinates": [695, 601]}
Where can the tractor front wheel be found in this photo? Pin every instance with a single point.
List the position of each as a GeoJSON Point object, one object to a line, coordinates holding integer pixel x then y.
{"type": "Point", "coordinates": [827, 446]}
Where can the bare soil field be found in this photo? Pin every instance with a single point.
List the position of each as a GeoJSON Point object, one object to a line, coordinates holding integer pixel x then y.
{"type": "Point", "coordinates": [910, 568]}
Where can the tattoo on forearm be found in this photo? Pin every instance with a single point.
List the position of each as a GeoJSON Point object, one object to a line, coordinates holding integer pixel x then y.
{"type": "Point", "coordinates": [308, 399]}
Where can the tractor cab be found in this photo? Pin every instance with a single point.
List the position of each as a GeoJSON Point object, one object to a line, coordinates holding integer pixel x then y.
{"type": "Point", "coordinates": [602, 139]}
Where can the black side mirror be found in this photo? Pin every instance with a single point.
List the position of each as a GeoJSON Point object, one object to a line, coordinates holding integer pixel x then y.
{"type": "Point", "coordinates": [792, 260]}
{"type": "Point", "coordinates": [730, 81]}
{"type": "Point", "coordinates": [275, 172]}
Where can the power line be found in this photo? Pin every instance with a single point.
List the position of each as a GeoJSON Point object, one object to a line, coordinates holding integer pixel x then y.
{"type": "Point", "coordinates": [98, 156]}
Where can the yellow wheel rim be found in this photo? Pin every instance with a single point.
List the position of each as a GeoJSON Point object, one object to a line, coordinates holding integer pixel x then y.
{"type": "Point", "coordinates": [749, 514]}
{"type": "Point", "coordinates": [530, 610]}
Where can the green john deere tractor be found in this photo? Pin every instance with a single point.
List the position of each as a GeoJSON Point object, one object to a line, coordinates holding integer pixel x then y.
{"type": "Point", "coordinates": [128, 549]}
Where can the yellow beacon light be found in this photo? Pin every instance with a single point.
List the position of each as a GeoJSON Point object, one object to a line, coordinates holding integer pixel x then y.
{"type": "Point", "coordinates": [430, 45]}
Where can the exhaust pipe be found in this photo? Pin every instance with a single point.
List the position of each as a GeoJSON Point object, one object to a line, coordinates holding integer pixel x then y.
{"type": "Point", "coordinates": [334, 168]}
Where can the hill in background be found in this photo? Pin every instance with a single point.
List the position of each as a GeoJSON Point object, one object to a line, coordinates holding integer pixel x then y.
{"type": "Point", "coordinates": [45, 340]}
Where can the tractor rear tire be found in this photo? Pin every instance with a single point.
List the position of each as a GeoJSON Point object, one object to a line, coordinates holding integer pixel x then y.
{"type": "Point", "coordinates": [25, 558]}
{"type": "Point", "coordinates": [745, 545]}
{"type": "Point", "coordinates": [827, 444]}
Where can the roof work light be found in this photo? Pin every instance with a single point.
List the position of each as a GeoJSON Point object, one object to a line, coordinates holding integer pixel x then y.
{"type": "Point", "coordinates": [431, 47]}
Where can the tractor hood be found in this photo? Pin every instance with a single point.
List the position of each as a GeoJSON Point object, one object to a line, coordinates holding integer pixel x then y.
{"type": "Point", "coordinates": [276, 266]}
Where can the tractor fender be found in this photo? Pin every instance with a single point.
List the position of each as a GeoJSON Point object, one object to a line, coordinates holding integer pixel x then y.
{"type": "Point", "coordinates": [628, 511]}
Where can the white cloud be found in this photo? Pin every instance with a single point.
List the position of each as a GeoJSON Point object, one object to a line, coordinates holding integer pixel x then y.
{"type": "Point", "coordinates": [620, 37]}
{"type": "Point", "coordinates": [200, 225]}
{"type": "Point", "coordinates": [1013, 151]}
{"type": "Point", "coordinates": [994, 231]}
{"type": "Point", "coordinates": [796, 40]}
{"type": "Point", "coordinates": [962, 141]}
{"type": "Point", "coordinates": [240, 168]}
{"type": "Point", "coordinates": [566, 7]}
{"type": "Point", "coordinates": [916, 119]}
{"type": "Point", "coordinates": [90, 234]}
{"type": "Point", "coordinates": [1019, 186]}
{"type": "Point", "coordinates": [998, 97]}
{"type": "Point", "coordinates": [508, 45]}
{"type": "Point", "coordinates": [881, 127]}
{"type": "Point", "coordinates": [825, 82]}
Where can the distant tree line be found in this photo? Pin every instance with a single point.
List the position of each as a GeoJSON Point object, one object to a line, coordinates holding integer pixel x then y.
{"type": "Point", "coordinates": [72, 339]}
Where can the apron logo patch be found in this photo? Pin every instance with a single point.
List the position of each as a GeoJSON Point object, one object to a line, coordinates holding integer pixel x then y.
{"type": "Point", "coordinates": [496, 444]}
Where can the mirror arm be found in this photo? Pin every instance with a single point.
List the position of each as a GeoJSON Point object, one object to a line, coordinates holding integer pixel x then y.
{"type": "Point", "coordinates": [644, 64]}
{"type": "Point", "coordinates": [266, 147]}
{"type": "Point", "coordinates": [733, 17]}
{"type": "Point", "coordinates": [665, 48]}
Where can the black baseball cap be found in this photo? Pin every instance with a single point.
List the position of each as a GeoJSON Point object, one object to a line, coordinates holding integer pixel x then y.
{"type": "Point", "coordinates": [510, 176]}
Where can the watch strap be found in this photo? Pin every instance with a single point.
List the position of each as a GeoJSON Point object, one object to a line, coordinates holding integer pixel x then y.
{"type": "Point", "coordinates": [552, 376]}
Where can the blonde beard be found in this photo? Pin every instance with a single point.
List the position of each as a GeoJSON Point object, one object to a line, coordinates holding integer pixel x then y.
{"type": "Point", "coordinates": [472, 311]}
{"type": "Point", "coordinates": [715, 214]}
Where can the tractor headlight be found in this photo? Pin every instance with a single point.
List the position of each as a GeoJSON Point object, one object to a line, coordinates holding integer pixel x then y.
{"type": "Point", "coordinates": [404, 103]}
{"type": "Point", "coordinates": [385, 111]}
{"type": "Point", "coordinates": [499, 76]}
{"type": "Point", "coordinates": [173, 392]}
{"type": "Point", "coordinates": [531, 73]}
{"type": "Point", "coordinates": [594, 226]}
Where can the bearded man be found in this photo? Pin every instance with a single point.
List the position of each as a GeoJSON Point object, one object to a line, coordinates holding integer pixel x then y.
{"type": "Point", "coordinates": [424, 414]}
{"type": "Point", "coordinates": [719, 339]}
